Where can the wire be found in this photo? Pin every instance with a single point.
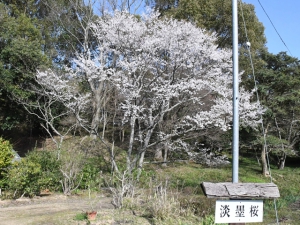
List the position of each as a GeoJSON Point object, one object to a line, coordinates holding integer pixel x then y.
{"type": "Point", "coordinates": [275, 28]}
{"type": "Point", "coordinates": [257, 97]}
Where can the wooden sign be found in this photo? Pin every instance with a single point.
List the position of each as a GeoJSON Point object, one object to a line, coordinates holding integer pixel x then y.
{"type": "Point", "coordinates": [236, 211]}
{"type": "Point", "coordinates": [241, 190]}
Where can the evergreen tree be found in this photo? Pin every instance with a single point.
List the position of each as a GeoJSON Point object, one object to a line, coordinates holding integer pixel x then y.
{"type": "Point", "coordinates": [279, 84]}
{"type": "Point", "coordinates": [20, 56]}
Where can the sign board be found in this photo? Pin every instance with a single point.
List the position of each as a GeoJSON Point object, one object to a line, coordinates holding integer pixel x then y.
{"type": "Point", "coordinates": [239, 211]}
{"type": "Point", "coordinates": [240, 190]}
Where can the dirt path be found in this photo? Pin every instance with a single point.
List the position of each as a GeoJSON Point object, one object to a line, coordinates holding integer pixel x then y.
{"type": "Point", "coordinates": [53, 209]}
{"type": "Point", "coordinates": [63, 210]}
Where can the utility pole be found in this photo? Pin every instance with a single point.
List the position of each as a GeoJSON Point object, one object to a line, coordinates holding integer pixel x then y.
{"type": "Point", "coordinates": [236, 210]}
{"type": "Point", "coordinates": [235, 58]}
{"type": "Point", "coordinates": [235, 100]}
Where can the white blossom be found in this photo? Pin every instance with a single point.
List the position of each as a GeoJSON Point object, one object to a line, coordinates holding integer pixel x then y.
{"type": "Point", "coordinates": [157, 66]}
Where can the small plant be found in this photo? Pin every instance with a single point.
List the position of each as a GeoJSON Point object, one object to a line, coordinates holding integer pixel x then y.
{"type": "Point", "coordinates": [92, 201]}
{"type": "Point", "coordinates": [121, 185]}
{"type": "Point", "coordinates": [83, 217]}
{"type": "Point", "coordinates": [72, 163]}
{"type": "Point", "coordinates": [80, 216]}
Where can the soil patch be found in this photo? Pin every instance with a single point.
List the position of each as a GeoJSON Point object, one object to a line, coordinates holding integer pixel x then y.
{"type": "Point", "coordinates": [58, 209]}
{"type": "Point", "coordinates": [53, 209]}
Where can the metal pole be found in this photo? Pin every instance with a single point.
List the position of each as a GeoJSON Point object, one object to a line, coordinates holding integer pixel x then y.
{"type": "Point", "coordinates": [235, 144]}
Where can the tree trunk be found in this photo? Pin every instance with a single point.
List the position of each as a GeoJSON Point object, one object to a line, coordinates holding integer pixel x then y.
{"type": "Point", "coordinates": [96, 117]}
{"type": "Point", "coordinates": [281, 162]}
{"type": "Point", "coordinates": [104, 123]}
{"type": "Point", "coordinates": [264, 163]}
{"type": "Point", "coordinates": [142, 152]}
{"type": "Point", "coordinates": [140, 165]}
{"type": "Point", "coordinates": [131, 140]}
{"type": "Point", "coordinates": [100, 98]}
{"type": "Point", "coordinates": [165, 153]}
{"type": "Point", "coordinates": [112, 157]}
{"type": "Point", "coordinates": [158, 154]}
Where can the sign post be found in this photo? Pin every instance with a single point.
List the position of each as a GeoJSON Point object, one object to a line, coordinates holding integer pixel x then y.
{"type": "Point", "coordinates": [244, 201]}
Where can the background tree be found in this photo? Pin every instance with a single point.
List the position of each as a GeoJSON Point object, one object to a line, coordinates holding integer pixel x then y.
{"type": "Point", "coordinates": [20, 55]}
{"type": "Point", "coordinates": [60, 25]}
{"type": "Point", "coordinates": [35, 33]}
{"type": "Point", "coordinates": [216, 16]}
{"type": "Point", "coordinates": [278, 85]}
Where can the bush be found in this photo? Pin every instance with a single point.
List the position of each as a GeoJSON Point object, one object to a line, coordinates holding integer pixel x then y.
{"type": "Point", "coordinates": [50, 175]}
{"type": "Point", "coordinates": [35, 172]}
{"type": "Point", "coordinates": [23, 178]}
{"type": "Point", "coordinates": [6, 156]}
{"type": "Point", "coordinates": [91, 175]}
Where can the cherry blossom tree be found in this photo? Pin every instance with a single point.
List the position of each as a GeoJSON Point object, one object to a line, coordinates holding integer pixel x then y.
{"type": "Point", "coordinates": [160, 68]}
{"type": "Point", "coordinates": [55, 92]}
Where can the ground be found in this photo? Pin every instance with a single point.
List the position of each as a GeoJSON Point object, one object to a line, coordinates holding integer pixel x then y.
{"type": "Point", "coordinates": [57, 209]}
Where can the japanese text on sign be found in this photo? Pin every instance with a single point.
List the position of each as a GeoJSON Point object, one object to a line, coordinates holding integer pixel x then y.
{"type": "Point", "coordinates": [235, 211]}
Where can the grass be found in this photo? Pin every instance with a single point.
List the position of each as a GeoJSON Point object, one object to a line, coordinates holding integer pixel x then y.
{"type": "Point", "coordinates": [184, 186]}
{"type": "Point", "coordinates": [172, 195]}
{"type": "Point", "coordinates": [184, 202]}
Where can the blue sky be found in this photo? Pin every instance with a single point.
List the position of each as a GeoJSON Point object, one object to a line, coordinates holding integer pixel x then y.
{"type": "Point", "coordinates": [286, 18]}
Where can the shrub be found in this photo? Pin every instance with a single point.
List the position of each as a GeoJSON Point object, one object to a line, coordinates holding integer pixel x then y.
{"type": "Point", "coordinates": [23, 178]}
{"type": "Point", "coordinates": [37, 171]}
{"type": "Point", "coordinates": [91, 174]}
{"type": "Point", "coordinates": [50, 175]}
{"type": "Point", "coordinates": [6, 154]}
{"type": "Point", "coordinates": [72, 164]}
